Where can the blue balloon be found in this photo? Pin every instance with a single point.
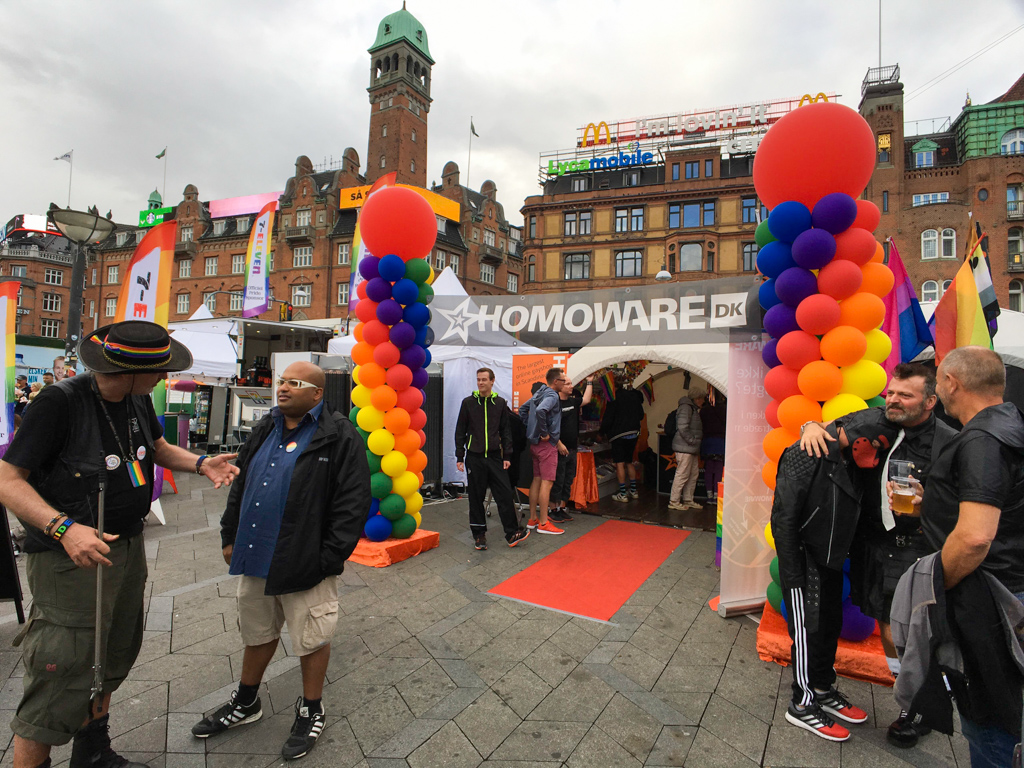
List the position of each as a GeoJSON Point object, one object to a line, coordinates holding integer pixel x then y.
{"type": "Point", "coordinates": [795, 284]}
{"type": "Point", "coordinates": [391, 268]}
{"type": "Point", "coordinates": [421, 336]}
{"type": "Point", "coordinates": [774, 259]}
{"type": "Point", "coordinates": [377, 528]}
{"type": "Point", "coordinates": [846, 586]}
{"type": "Point", "coordinates": [427, 358]}
{"type": "Point", "coordinates": [416, 315]}
{"type": "Point", "coordinates": [429, 337]}
{"type": "Point", "coordinates": [835, 212]}
{"type": "Point", "coordinates": [766, 296]}
{"type": "Point", "coordinates": [406, 292]}
{"type": "Point", "coordinates": [780, 320]}
{"type": "Point", "coordinates": [413, 357]}
{"type": "Point", "coordinates": [789, 219]}
{"type": "Point", "coordinates": [783, 610]}
{"type": "Point", "coordinates": [368, 267]}
{"type": "Point", "coordinates": [374, 508]}
{"type": "Point", "coordinates": [814, 249]}
{"type": "Point", "coordinates": [769, 355]}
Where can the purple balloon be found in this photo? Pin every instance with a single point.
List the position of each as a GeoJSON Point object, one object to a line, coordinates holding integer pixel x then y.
{"type": "Point", "coordinates": [771, 359]}
{"type": "Point", "coordinates": [402, 335]}
{"type": "Point", "coordinates": [389, 312]}
{"type": "Point", "coordinates": [814, 249]}
{"type": "Point", "coordinates": [834, 213]}
{"type": "Point", "coordinates": [420, 378]}
{"type": "Point", "coordinates": [413, 357]}
{"type": "Point", "coordinates": [368, 267]}
{"type": "Point", "coordinates": [378, 289]}
{"type": "Point", "coordinates": [856, 626]}
{"type": "Point", "coordinates": [795, 284]}
{"type": "Point", "coordinates": [780, 320]}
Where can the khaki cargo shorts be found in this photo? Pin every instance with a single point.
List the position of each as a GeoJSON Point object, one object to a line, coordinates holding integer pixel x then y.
{"type": "Point", "coordinates": [311, 616]}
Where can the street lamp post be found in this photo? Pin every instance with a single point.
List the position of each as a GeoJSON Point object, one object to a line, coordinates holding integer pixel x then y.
{"type": "Point", "coordinates": [81, 228]}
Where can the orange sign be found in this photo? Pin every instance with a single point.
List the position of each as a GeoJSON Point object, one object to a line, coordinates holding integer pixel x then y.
{"type": "Point", "coordinates": [528, 369]}
{"type": "Point", "coordinates": [354, 197]}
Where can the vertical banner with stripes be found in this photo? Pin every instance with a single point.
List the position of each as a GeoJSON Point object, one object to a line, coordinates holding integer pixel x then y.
{"type": "Point", "coordinates": [257, 263]}
{"type": "Point", "coordinates": [146, 289]}
{"type": "Point", "coordinates": [8, 315]}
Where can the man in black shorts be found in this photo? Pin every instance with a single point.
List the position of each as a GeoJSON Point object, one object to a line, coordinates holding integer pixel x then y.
{"type": "Point", "coordinates": [621, 425]}
{"type": "Point", "coordinates": [571, 402]}
{"type": "Point", "coordinates": [80, 436]}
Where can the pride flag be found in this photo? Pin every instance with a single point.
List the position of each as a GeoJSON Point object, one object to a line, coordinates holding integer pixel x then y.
{"type": "Point", "coordinates": [8, 309]}
{"type": "Point", "coordinates": [977, 255]}
{"type": "Point", "coordinates": [904, 321]}
{"type": "Point", "coordinates": [146, 290]}
{"type": "Point", "coordinates": [959, 320]}
{"type": "Point", "coordinates": [257, 257]}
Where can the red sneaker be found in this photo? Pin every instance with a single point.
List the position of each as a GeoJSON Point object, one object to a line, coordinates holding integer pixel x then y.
{"type": "Point", "coordinates": [531, 525]}
{"type": "Point", "coordinates": [548, 527]}
{"type": "Point", "coordinates": [839, 706]}
{"type": "Point", "coordinates": [813, 719]}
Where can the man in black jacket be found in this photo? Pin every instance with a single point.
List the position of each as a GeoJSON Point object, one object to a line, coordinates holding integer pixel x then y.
{"type": "Point", "coordinates": [483, 449]}
{"type": "Point", "coordinates": [291, 522]}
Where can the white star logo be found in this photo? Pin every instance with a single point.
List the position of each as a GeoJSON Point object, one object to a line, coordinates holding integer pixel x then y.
{"type": "Point", "coordinates": [458, 319]}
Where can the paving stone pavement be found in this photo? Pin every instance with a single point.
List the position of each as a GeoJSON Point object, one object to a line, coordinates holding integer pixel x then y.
{"type": "Point", "coordinates": [429, 670]}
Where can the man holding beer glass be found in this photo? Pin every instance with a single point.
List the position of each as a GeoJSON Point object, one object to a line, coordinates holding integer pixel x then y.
{"type": "Point", "coordinates": [889, 538]}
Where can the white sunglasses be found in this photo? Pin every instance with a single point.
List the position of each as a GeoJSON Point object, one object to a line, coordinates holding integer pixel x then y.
{"type": "Point", "coordinates": [296, 384]}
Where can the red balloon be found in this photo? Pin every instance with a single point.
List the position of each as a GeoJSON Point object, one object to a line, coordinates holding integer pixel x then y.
{"type": "Point", "coordinates": [839, 279]}
{"type": "Point", "coordinates": [371, 375]}
{"type": "Point", "coordinates": [423, 437]}
{"type": "Point", "coordinates": [386, 354]}
{"type": "Point", "coordinates": [410, 399]}
{"type": "Point", "coordinates": [868, 216]}
{"type": "Point", "coordinates": [798, 160]}
{"type": "Point", "coordinates": [798, 348]}
{"type": "Point", "coordinates": [864, 311]}
{"type": "Point", "coordinates": [771, 414]}
{"type": "Point", "coordinates": [361, 290]}
{"type": "Point", "coordinates": [400, 221]}
{"type": "Point", "coordinates": [780, 382]}
{"type": "Point", "coordinates": [366, 310]}
{"type": "Point", "coordinates": [418, 419]}
{"type": "Point", "coordinates": [362, 353]}
{"type": "Point", "coordinates": [399, 377]}
{"type": "Point", "coordinates": [375, 332]}
{"type": "Point", "coordinates": [856, 245]}
{"type": "Point", "coordinates": [417, 461]}
{"type": "Point", "coordinates": [818, 314]}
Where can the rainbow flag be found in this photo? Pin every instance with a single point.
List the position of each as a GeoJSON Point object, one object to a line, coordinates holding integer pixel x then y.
{"type": "Point", "coordinates": [977, 255]}
{"type": "Point", "coordinates": [8, 313]}
{"type": "Point", "coordinates": [146, 290]}
{"type": "Point", "coordinates": [607, 384]}
{"type": "Point", "coordinates": [959, 319]}
{"type": "Point", "coordinates": [647, 388]}
{"type": "Point", "coordinates": [904, 321]}
{"type": "Point", "coordinates": [256, 300]}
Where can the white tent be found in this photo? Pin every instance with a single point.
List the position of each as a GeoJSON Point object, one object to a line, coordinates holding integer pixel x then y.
{"type": "Point", "coordinates": [1008, 341]}
{"type": "Point", "coordinates": [341, 345]}
{"type": "Point", "coordinates": [708, 361]}
{"type": "Point", "coordinates": [214, 352]}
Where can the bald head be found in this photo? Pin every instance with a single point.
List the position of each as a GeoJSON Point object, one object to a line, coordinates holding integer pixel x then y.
{"type": "Point", "coordinates": [980, 371]}
{"type": "Point", "coordinates": [305, 372]}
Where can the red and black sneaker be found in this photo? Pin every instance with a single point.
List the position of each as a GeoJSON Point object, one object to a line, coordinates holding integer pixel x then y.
{"type": "Point", "coordinates": [839, 706]}
{"type": "Point", "coordinates": [813, 719]}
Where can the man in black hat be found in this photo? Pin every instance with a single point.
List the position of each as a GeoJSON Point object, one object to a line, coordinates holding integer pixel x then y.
{"type": "Point", "coordinates": [86, 437]}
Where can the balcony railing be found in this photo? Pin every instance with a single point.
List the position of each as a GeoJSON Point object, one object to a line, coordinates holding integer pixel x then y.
{"type": "Point", "coordinates": [1015, 210]}
{"type": "Point", "coordinates": [299, 234]}
{"type": "Point", "coordinates": [185, 249]}
{"type": "Point", "coordinates": [32, 253]}
{"type": "Point", "coordinates": [491, 255]}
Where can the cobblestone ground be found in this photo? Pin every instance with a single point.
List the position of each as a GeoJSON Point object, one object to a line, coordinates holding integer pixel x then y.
{"type": "Point", "coordinates": [429, 670]}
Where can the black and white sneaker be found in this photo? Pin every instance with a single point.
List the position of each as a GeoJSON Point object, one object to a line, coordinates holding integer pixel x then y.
{"type": "Point", "coordinates": [305, 731]}
{"type": "Point", "coordinates": [839, 706]}
{"type": "Point", "coordinates": [228, 716]}
{"type": "Point", "coordinates": [813, 719]}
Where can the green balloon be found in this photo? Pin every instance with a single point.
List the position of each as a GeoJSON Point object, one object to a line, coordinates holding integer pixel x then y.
{"type": "Point", "coordinates": [775, 596]}
{"type": "Point", "coordinates": [762, 236]}
{"type": "Point", "coordinates": [417, 270]}
{"type": "Point", "coordinates": [403, 527]}
{"type": "Point", "coordinates": [363, 434]}
{"type": "Point", "coordinates": [426, 294]}
{"type": "Point", "coordinates": [773, 569]}
{"type": "Point", "coordinates": [392, 506]}
{"type": "Point", "coordinates": [875, 401]}
{"type": "Point", "coordinates": [380, 485]}
{"type": "Point", "coordinates": [373, 460]}
{"type": "Point", "coordinates": [353, 413]}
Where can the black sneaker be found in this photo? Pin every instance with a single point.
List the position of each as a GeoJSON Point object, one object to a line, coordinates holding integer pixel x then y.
{"type": "Point", "coordinates": [559, 516]}
{"type": "Point", "coordinates": [228, 716]}
{"type": "Point", "coordinates": [305, 731]}
{"type": "Point", "coordinates": [813, 719]}
{"type": "Point", "coordinates": [92, 749]}
{"type": "Point", "coordinates": [518, 537]}
{"type": "Point", "coordinates": [480, 541]}
{"type": "Point", "coordinates": [905, 731]}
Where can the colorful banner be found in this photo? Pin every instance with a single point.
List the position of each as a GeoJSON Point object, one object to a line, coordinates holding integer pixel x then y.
{"type": "Point", "coordinates": [257, 255]}
{"type": "Point", "coordinates": [359, 251]}
{"type": "Point", "coordinates": [146, 290]}
{"type": "Point", "coordinates": [8, 309]}
{"type": "Point", "coordinates": [528, 369]}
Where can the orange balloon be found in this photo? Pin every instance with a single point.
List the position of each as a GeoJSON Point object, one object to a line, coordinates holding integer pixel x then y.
{"type": "Point", "coordinates": [819, 381]}
{"type": "Point", "coordinates": [768, 473]}
{"type": "Point", "coordinates": [362, 353]}
{"type": "Point", "coordinates": [383, 398]}
{"type": "Point", "coordinates": [417, 459]}
{"type": "Point", "coordinates": [776, 441]}
{"type": "Point", "coordinates": [863, 311]}
{"type": "Point", "coordinates": [419, 475]}
{"type": "Point", "coordinates": [879, 256]}
{"type": "Point", "coordinates": [407, 442]}
{"type": "Point", "coordinates": [771, 414]}
{"type": "Point", "coordinates": [371, 375]}
{"type": "Point", "coordinates": [856, 245]}
{"type": "Point", "coordinates": [843, 345]}
{"type": "Point", "coordinates": [878, 279]}
{"type": "Point", "coordinates": [358, 332]}
{"type": "Point", "coordinates": [396, 420]}
{"type": "Point", "coordinates": [796, 411]}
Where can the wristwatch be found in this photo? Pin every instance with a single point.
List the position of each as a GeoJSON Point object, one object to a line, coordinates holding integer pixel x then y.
{"type": "Point", "coordinates": [199, 464]}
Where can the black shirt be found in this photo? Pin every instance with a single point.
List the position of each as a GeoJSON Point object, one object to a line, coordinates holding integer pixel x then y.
{"type": "Point", "coordinates": [571, 406]}
{"type": "Point", "coordinates": [43, 433]}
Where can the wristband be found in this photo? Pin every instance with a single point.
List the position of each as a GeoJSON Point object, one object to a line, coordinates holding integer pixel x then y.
{"type": "Point", "coordinates": [49, 526]}
{"type": "Point", "coordinates": [199, 464]}
{"type": "Point", "coordinates": [804, 426]}
{"type": "Point", "coordinates": [61, 529]}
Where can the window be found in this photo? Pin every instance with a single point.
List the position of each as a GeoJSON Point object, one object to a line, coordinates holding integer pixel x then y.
{"type": "Point", "coordinates": [383, 162]}
{"type": "Point", "coordinates": [949, 243]}
{"type": "Point", "coordinates": [945, 285]}
{"type": "Point", "coordinates": [1014, 204]}
{"type": "Point", "coordinates": [111, 307]}
{"type": "Point", "coordinates": [884, 147]}
{"type": "Point", "coordinates": [49, 329]}
{"type": "Point", "coordinates": [1015, 248]}
{"type": "Point", "coordinates": [577, 266]}
{"type": "Point", "coordinates": [1016, 291]}
{"type": "Point", "coordinates": [533, 226]}
{"type": "Point", "coordinates": [675, 171]}
{"type": "Point", "coordinates": [636, 219]}
{"type": "Point", "coordinates": [344, 253]}
{"type": "Point", "coordinates": [112, 275]}
{"type": "Point", "coordinates": [709, 168]}
{"type": "Point", "coordinates": [440, 257]}
{"type": "Point", "coordinates": [930, 291]}
{"type": "Point", "coordinates": [931, 198]}
{"type": "Point", "coordinates": [749, 257]}
{"type": "Point", "coordinates": [512, 283]}
{"type": "Point", "coordinates": [622, 219]}
{"type": "Point", "coordinates": [242, 224]}
{"type": "Point", "coordinates": [440, 224]}
{"type": "Point", "coordinates": [302, 295]}
{"type": "Point", "coordinates": [121, 238]}
{"type": "Point", "coordinates": [94, 276]}
{"type": "Point", "coordinates": [303, 218]}
{"type": "Point", "coordinates": [531, 270]}
{"type": "Point", "coordinates": [186, 234]}
{"type": "Point", "coordinates": [693, 169]}
{"type": "Point", "coordinates": [476, 235]}
{"type": "Point", "coordinates": [218, 227]}
{"type": "Point", "coordinates": [414, 135]}
{"type": "Point", "coordinates": [412, 166]}
{"type": "Point", "coordinates": [749, 210]}
{"type": "Point", "coordinates": [569, 225]}
{"type": "Point", "coordinates": [586, 218]}
{"type": "Point", "coordinates": [210, 300]}
{"type": "Point", "coordinates": [185, 268]}
{"type": "Point", "coordinates": [631, 179]}
{"type": "Point", "coordinates": [885, 252]}
{"type": "Point", "coordinates": [579, 184]}
{"type": "Point", "coordinates": [302, 257]}
{"type": "Point", "coordinates": [885, 201]}
{"type": "Point", "coordinates": [487, 273]}
{"type": "Point", "coordinates": [929, 244]}
{"type": "Point", "coordinates": [629, 263]}
{"type": "Point", "coordinates": [454, 263]}
{"type": "Point", "coordinates": [270, 261]}
{"type": "Point", "coordinates": [19, 270]}
{"type": "Point", "coordinates": [53, 277]}
{"type": "Point", "coordinates": [924, 159]}
{"type": "Point", "coordinates": [21, 289]}
{"type": "Point", "coordinates": [51, 302]}
{"type": "Point", "coordinates": [489, 237]}
{"type": "Point", "coordinates": [210, 267]}
{"type": "Point", "coordinates": [92, 308]}
{"type": "Point", "coordinates": [237, 298]}
{"type": "Point", "coordinates": [183, 302]}
{"type": "Point", "coordinates": [708, 218]}
{"type": "Point", "coordinates": [1012, 142]}
{"type": "Point", "coordinates": [237, 263]}
{"type": "Point", "coordinates": [139, 234]}
{"type": "Point", "coordinates": [343, 293]}
{"type": "Point", "coordinates": [384, 131]}
{"type": "Point", "coordinates": [710, 259]}
{"type": "Point", "coordinates": [690, 257]}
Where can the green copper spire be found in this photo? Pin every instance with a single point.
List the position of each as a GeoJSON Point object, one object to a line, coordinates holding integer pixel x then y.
{"type": "Point", "coordinates": [402, 25]}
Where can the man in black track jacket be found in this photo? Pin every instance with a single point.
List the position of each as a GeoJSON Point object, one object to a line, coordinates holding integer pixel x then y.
{"type": "Point", "coordinates": [483, 449]}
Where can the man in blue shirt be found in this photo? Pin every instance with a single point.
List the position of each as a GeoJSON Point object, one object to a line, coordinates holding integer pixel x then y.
{"type": "Point", "coordinates": [292, 519]}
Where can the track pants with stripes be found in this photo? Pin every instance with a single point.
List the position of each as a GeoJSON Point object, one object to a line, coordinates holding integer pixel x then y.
{"type": "Point", "coordinates": [814, 653]}
{"type": "Point", "coordinates": [485, 472]}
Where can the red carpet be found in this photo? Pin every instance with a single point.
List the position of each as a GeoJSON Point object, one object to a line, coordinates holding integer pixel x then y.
{"type": "Point", "coordinates": [594, 575]}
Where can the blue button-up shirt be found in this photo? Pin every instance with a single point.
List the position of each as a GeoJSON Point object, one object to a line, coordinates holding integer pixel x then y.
{"type": "Point", "coordinates": [267, 480]}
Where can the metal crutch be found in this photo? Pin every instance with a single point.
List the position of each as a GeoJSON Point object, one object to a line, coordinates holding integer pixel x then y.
{"type": "Point", "coordinates": [97, 662]}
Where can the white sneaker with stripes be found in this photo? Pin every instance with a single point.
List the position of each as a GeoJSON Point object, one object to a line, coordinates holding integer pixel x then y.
{"type": "Point", "coordinates": [228, 716]}
{"type": "Point", "coordinates": [305, 731]}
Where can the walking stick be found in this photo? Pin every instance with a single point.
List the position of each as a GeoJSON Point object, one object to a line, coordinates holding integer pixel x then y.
{"type": "Point", "coordinates": [97, 665]}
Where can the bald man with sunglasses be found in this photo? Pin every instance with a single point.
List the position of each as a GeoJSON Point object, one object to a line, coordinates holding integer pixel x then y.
{"type": "Point", "coordinates": [293, 517]}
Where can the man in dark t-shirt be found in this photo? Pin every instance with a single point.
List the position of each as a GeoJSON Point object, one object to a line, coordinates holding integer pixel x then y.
{"type": "Point", "coordinates": [571, 403]}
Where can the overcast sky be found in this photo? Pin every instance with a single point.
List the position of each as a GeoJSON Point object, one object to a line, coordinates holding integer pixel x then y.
{"type": "Point", "coordinates": [237, 89]}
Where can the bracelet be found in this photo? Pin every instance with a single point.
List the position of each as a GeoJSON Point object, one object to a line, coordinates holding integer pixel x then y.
{"type": "Point", "coordinates": [804, 426]}
{"type": "Point", "coordinates": [62, 529]}
{"type": "Point", "coordinates": [49, 526]}
{"type": "Point", "coordinates": [199, 464]}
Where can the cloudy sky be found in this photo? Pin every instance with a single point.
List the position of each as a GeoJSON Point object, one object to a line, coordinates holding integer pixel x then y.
{"type": "Point", "coordinates": [237, 89]}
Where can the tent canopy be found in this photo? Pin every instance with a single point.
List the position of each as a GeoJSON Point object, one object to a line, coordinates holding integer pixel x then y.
{"type": "Point", "coordinates": [1008, 341]}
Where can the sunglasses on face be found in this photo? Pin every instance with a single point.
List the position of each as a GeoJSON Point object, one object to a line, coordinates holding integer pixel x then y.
{"type": "Point", "coordinates": [296, 384]}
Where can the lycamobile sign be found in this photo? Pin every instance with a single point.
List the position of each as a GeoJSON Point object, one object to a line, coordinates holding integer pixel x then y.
{"type": "Point", "coordinates": [621, 160]}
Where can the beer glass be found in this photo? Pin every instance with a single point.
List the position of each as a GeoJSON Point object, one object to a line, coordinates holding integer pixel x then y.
{"type": "Point", "coordinates": [904, 487]}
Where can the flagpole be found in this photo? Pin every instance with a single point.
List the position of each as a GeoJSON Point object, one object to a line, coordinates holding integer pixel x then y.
{"type": "Point", "coordinates": [165, 177]}
{"type": "Point", "coordinates": [469, 161]}
{"type": "Point", "coordinates": [71, 171]}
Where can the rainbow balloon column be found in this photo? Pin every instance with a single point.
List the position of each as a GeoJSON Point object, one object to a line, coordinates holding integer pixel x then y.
{"type": "Point", "coordinates": [391, 356]}
{"type": "Point", "coordinates": [826, 277]}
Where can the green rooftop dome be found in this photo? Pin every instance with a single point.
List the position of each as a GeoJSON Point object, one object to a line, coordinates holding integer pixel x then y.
{"type": "Point", "coordinates": [155, 201]}
{"type": "Point", "coordinates": [398, 26]}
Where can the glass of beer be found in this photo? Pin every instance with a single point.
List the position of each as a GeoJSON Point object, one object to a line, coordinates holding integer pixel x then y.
{"type": "Point", "coordinates": [904, 488]}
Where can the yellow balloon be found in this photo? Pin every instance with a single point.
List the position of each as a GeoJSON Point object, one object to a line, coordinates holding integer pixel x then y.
{"type": "Point", "coordinates": [840, 405]}
{"type": "Point", "coordinates": [431, 276]}
{"type": "Point", "coordinates": [879, 346]}
{"type": "Point", "coordinates": [355, 374]}
{"type": "Point", "coordinates": [394, 464]}
{"type": "Point", "coordinates": [413, 505]}
{"type": "Point", "coordinates": [380, 442]}
{"type": "Point", "coordinates": [415, 515]}
{"type": "Point", "coordinates": [369, 418]}
{"type": "Point", "coordinates": [864, 379]}
{"type": "Point", "coordinates": [405, 484]}
{"type": "Point", "coordinates": [768, 536]}
{"type": "Point", "coordinates": [361, 396]}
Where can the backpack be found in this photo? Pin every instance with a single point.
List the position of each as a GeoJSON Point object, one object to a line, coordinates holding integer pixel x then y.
{"type": "Point", "coordinates": [670, 423]}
